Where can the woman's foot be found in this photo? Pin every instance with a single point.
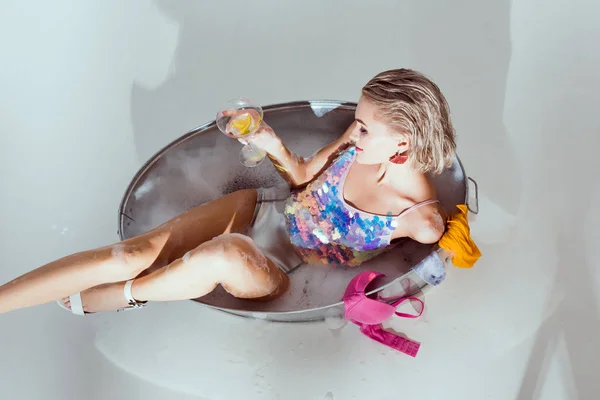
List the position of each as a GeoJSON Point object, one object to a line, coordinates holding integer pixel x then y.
{"type": "Point", "coordinates": [107, 297]}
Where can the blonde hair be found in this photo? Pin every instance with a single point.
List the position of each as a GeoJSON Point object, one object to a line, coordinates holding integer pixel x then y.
{"type": "Point", "coordinates": [411, 104]}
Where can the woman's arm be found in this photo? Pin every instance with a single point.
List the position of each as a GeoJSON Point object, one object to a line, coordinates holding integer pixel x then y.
{"type": "Point", "coordinates": [425, 225]}
{"type": "Point", "coordinates": [296, 170]}
{"type": "Point", "coordinates": [428, 229]}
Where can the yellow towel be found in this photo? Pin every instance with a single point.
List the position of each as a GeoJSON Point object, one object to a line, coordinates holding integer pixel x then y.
{"type": "Point", "coordinates": [457, 240]}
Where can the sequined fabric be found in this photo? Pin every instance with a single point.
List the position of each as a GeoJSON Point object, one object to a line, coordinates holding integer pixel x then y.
{"type": "Point", "coordinates": [325, 229]}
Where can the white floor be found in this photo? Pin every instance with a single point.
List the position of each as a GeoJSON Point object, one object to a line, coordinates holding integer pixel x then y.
{"type": "Point", "coordinates": [90, 90]}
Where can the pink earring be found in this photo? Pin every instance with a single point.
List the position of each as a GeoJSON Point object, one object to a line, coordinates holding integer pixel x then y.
{"type": "Point", "coordinates": [398, 158]}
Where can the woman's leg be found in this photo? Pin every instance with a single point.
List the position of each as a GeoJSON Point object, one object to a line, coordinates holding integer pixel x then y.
{"type": "Point", "coordinates": [232, 260]}
{"type": "Point", "coordinates": [127, 259]}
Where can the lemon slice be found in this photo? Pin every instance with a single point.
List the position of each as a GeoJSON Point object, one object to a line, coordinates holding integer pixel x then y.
{"type": "Point", "coordinates": [242, 124]}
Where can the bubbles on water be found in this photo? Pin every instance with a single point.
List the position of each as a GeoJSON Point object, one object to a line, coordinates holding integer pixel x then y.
{"type": "Point", "coordinates": [179, 180]}
{"type": "Point", "coordinates": [143, 189]}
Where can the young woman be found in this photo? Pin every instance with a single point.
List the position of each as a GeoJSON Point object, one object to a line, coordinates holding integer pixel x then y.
{"type": "Point", "coordinates": [348, 203]}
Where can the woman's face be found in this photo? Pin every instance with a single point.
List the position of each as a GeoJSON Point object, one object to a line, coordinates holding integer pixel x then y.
{"type": "Point", "coordinates": [375, 142]}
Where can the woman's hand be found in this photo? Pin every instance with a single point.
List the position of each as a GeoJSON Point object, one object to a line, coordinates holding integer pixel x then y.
{"type": "Point", "coordinates": [264, 137]}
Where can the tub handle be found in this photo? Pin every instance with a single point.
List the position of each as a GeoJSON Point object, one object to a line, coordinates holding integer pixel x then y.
{"type": "Point", "coordinates": [476, 197]}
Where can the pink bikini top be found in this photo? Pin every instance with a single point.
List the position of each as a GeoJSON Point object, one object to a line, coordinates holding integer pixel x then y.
{"type": "Point", "coordinates": [370, 313]}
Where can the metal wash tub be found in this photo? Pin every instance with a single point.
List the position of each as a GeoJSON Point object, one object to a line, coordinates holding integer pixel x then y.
{"type": "Point", "coordinates": [204, 164]}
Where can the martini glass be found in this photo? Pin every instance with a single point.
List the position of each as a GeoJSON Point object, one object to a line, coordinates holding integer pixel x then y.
{"type": "Point", "coordinates": [240, 119]}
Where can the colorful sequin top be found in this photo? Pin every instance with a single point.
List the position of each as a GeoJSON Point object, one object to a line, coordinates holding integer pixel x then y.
{"type": "Point", "coordinates": [325, 229]}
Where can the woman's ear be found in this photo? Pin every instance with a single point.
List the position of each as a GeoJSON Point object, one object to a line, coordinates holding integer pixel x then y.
{"type": "Point", "coordinates": [402, 146]}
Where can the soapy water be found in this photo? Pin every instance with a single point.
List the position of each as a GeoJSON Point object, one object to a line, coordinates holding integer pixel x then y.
{"type": "Point", "coordinates": [181, 180]}
{"type": "Point", "coordinates": [143, 189]}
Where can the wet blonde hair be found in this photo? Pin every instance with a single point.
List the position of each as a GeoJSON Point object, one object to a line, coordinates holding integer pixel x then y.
{"type": "Point", "coordinates": [411, 104]}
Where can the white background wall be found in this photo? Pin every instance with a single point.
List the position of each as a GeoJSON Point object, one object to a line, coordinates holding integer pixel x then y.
{"type": "Point", "coordinates": [90, 90]}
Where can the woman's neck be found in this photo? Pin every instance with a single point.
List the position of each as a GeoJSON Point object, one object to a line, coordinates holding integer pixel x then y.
{"type": "Point", "coordinates": [396, 174]}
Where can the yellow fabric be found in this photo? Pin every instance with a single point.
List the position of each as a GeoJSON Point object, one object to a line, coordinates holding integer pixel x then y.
{"type": "Point", "coordinates": [457, 240]}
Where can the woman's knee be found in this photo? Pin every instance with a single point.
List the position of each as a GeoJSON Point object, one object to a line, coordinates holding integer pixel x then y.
{"type": "Point", "coordinates": [238, 247]}
{"type": "Point", "coordinates": [227, 254]}
{"type": "Point", "coordinates": [249, 273]}
{"type": "Point", "coordinates": [221, 251]}
{"type": "Point", "coordinates": [235, 262]}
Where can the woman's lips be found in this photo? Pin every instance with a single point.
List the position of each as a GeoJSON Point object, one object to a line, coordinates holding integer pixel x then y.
{"type": "Point", "coordinates": [358, 149]}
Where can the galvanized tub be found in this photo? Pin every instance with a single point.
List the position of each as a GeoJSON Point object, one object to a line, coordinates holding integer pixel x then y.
{"type": "Point", "coordinates": [203, 165]}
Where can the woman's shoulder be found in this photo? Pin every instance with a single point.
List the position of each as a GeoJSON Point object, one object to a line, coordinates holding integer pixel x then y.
{"type": "Point", "coordinates": [426, 224]}
{"type": "Point", "coordinates": [422, 218]}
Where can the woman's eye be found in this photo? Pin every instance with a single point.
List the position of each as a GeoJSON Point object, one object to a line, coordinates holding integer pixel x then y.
{"type": "Point", "coordinates": [363, 131]}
